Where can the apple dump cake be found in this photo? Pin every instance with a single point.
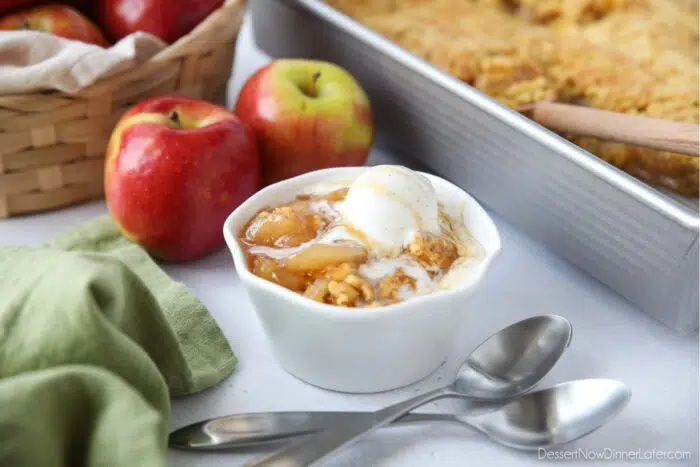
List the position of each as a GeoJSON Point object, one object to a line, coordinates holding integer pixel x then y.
{"type": "Point", "coordinates": [379, 240]}
{"type": "Point", "coordinates": [632, 56]}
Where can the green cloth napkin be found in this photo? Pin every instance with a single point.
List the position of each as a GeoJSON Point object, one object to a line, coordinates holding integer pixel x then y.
{"type": "Point", "coordinates": [94, 339]}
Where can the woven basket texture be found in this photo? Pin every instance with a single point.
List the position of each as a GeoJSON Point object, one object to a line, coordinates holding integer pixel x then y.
{"type": "Point", "coordinates": [52, 145]}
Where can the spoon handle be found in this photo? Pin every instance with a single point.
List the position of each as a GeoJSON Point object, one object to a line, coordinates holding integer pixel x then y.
{"type": "Point", "coordinates": [319, 445]}
{"type": "Point", "coordinates": [268, 428]}
{"type": "Point", "coordinates": [655, 133]}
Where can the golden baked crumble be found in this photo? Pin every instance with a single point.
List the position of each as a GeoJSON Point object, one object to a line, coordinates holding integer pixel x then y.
{"type": "Point", "coordinates": [341, 271]}
{"type": "Point", "coordinates": [390, 287]}
{"type": "Point", "coordinates": [630, 56]}
{"type": "Point", "coordinates": [362, 285]}
{"type": "Point", "coordinates": [432, 251]}
{"type": "Point", "coordinates": [342, 294]}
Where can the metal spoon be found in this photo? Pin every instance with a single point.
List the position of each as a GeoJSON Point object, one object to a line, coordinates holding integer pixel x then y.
{"type": "Point", "coordinates": [504, 366]}
{"type": "Point", "coordinates": [552, 416]}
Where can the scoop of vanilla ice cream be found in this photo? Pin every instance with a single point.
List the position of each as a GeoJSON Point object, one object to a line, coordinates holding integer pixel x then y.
{"type": "Point", "coordinates": [389, 204]}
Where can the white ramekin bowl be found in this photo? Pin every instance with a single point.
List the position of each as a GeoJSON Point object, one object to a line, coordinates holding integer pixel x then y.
{"type": "Point", "coordinates": [360, 350]}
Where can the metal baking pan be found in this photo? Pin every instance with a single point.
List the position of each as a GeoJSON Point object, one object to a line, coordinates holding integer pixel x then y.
{"type": "Point", "coordinates": [640, 242]}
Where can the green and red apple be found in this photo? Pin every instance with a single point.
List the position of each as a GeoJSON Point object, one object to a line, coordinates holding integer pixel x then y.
{"type": "Point", "coordinates": [175, 169]}
{"type": "Point", "coordinates": [56, 19]}
{"type": "Point", "coordinates": [306, 115]}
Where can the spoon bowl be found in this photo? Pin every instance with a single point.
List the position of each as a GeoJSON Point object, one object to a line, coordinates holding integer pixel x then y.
{"type": "Point", "coordinates": [514, 359]}
{"type": "Point", "coordinates": [553, 416]}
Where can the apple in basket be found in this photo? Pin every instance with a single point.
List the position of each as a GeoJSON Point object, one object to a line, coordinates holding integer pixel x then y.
{"type": "Point", "coordinates": [12, 5]}
{"type": "Point", "coordinates": [175, 168]}
{"type": "Point", "coordinates": [306, 115]}
{"type": "Point", "coordinates": [55, 19]}
{"type": "Point", "coordinates": [166, 19]}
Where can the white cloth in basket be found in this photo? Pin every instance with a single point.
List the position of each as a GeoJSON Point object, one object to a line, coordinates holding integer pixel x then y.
{"type": "Point", "coordinates": [32, 61]}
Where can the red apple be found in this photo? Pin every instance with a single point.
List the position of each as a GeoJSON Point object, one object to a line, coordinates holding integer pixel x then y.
{"type": "Point", "coordinates": [55, 19]}
{"type": "Point", "coordinates": [166, 19]}
{"type": "Point", "coordinates": [306, 115]}
{"type": "Point", "coordinates": [175, 169]}
{"type": "Point", "coordinates": [87, 7]}
{"type": "Point", "coordinates": [13, 5]}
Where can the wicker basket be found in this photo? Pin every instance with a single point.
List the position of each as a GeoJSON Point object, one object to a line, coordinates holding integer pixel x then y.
{"type": "Point", "coordinates": [52, 145]}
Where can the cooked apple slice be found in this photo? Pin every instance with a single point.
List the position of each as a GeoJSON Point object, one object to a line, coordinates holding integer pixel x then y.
{"type": "Point", "coordinates": [320, 256]}
{"type": "Point", "coordinates": [272, 271]}
{"type": "Point", "coordinates": [286, 226]}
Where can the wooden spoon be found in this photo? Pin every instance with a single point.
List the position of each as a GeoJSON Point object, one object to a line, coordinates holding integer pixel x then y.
{"type": "Point", "coordinates": [648, 132]}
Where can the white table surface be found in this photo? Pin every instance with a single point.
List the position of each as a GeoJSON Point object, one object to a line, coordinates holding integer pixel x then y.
{"type": "Point", "coordinates": [611, 339]}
